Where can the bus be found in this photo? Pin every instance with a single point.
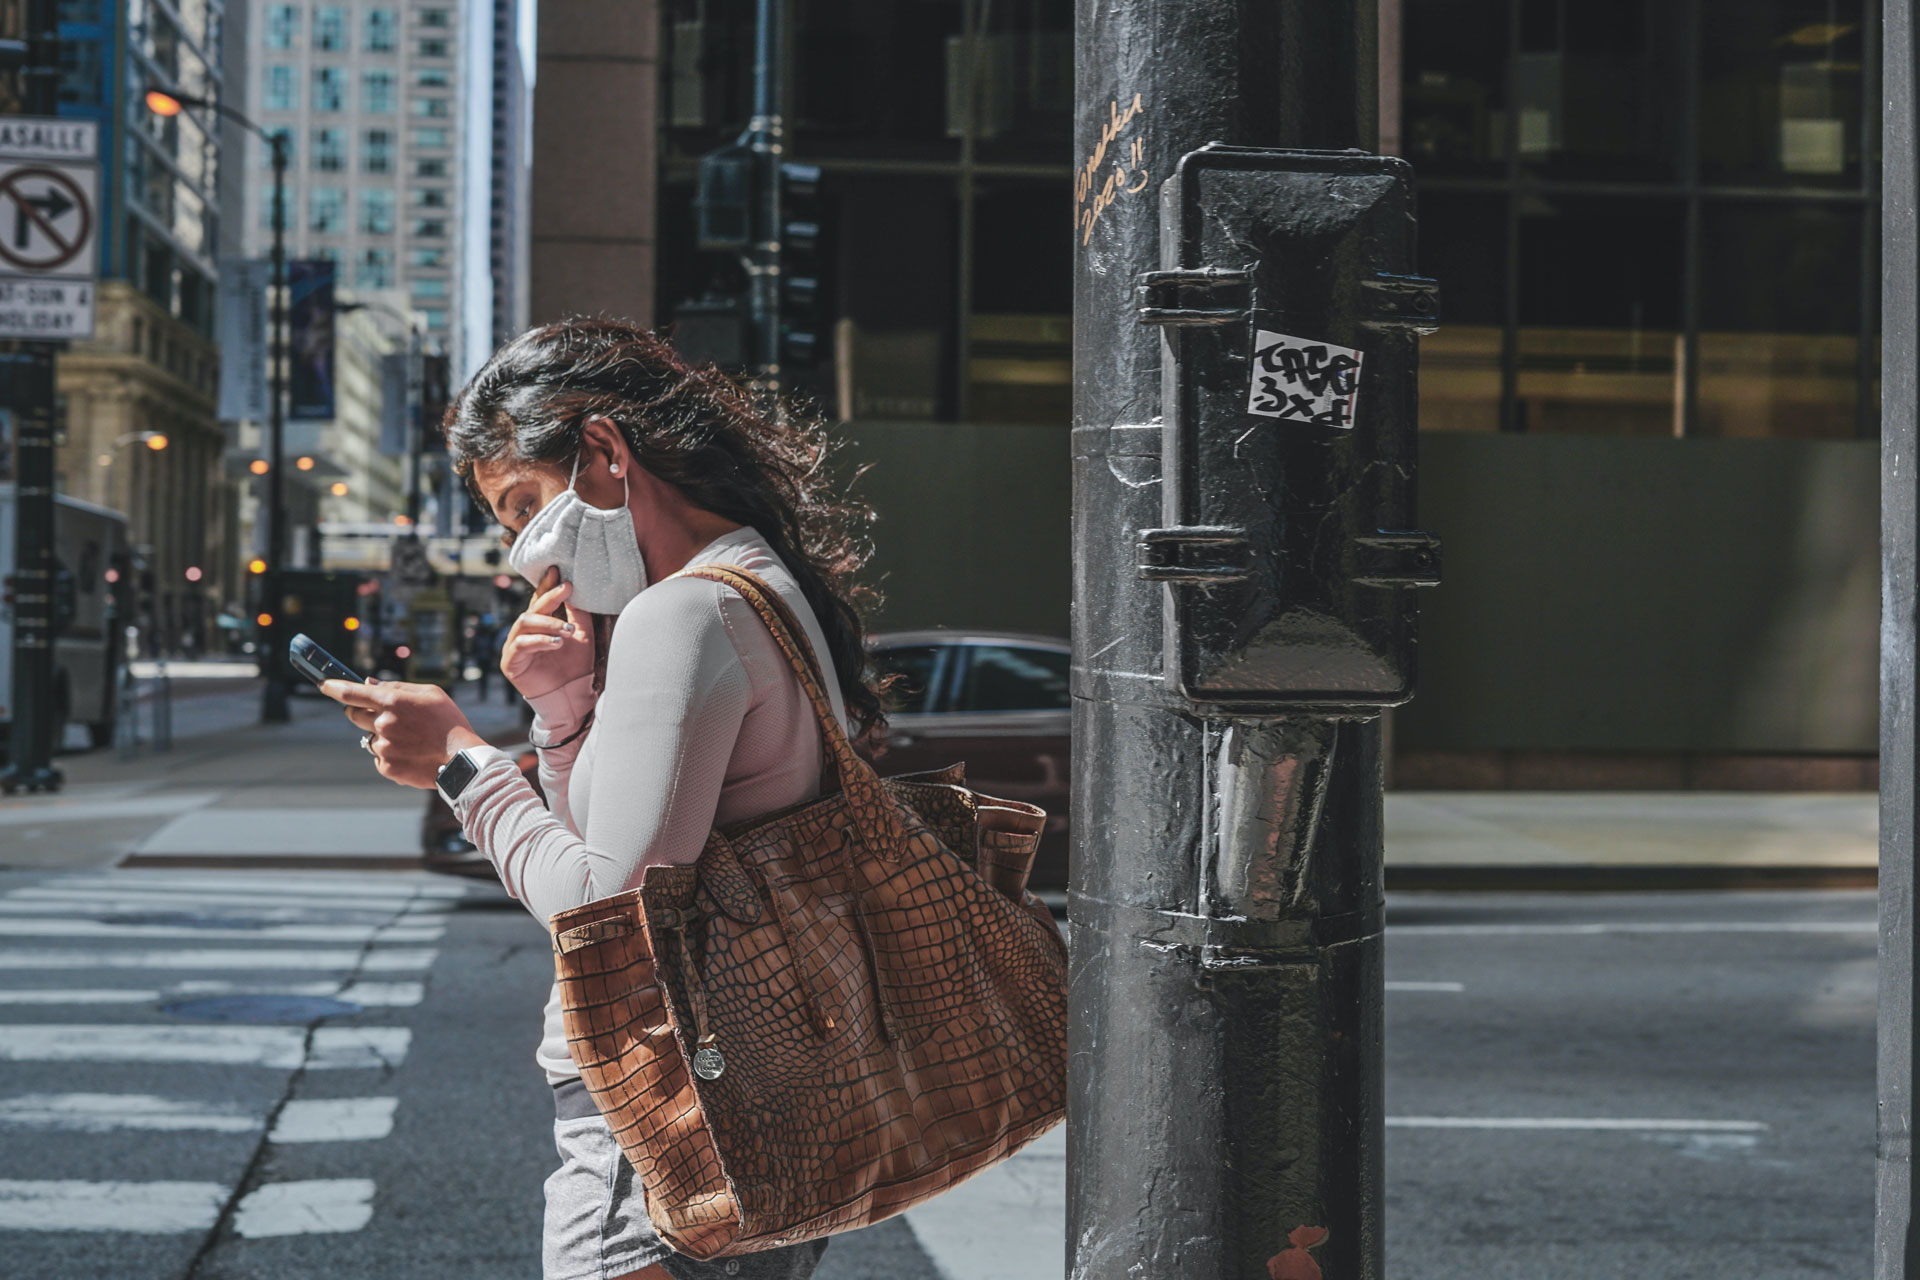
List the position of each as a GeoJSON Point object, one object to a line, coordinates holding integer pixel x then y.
{"type": "Point", "coordinates": [87, 541]}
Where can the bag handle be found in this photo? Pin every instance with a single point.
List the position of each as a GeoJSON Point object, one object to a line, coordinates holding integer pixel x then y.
{"type": "Point", "coordinates": [868, 804]}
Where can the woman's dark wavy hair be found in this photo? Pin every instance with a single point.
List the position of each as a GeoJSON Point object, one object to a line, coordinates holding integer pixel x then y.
{"type": "Point", "coordinates": [701, 432]}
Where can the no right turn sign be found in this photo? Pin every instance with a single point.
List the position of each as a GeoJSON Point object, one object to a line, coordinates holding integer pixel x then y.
{"type": "Point", "coordinates": [49, 234]}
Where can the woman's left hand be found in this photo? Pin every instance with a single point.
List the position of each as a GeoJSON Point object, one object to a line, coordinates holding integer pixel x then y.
{"type": "Point", "coordinates": [415, 728]}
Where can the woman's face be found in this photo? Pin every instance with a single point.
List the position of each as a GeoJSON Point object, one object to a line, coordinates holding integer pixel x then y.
{"type": "Point", "coordinates": [515, 491]}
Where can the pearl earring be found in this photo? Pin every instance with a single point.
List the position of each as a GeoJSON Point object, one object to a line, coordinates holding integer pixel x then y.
{"type": "Point", "coordinates": [615, 468]}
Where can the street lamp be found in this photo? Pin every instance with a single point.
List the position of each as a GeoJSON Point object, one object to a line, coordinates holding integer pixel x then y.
{"type": "Point", "coordinates": [273, 703]}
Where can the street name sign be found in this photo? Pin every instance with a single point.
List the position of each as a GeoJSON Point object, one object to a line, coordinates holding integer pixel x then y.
{"type": "Point", "coordinates": [49, 227]}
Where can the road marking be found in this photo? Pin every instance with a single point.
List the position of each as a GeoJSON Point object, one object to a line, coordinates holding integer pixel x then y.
{"type": "Point", "coordinates": [122, 898]}
{"type": "Point", "coordinates": [105, 1112]}
{"type": "Point", "coordinates": [289, 883]}
{"type": "Point", "coordinates": [381, 960]}
{"type": "Point", "coordinates": [335, 1120]}
{"type": "Point", "coordinates": [1607, 1124]}
{"type": "Point", "coordinates": [216, 833]}
{"type": "Point", "coordinates": [279, 1047]}
{"type": "Point", "coordinates": [1659, 926]}
{"type": "Point", "coordinates": [371, 995]}
{"type": "Point", "coordinates": [324, 1206]}
{"type": "Point", "coordinates": [1426, 986]}
{"type": "Point", "coordinates": [110, 1206]}
{"type": "Point", "coordinates": [33, 812]}
{"type": "Point", "coordinates": [70, 928]}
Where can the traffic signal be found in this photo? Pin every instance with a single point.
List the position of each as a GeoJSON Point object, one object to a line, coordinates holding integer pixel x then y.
{"type": "Point", "coordinates": [803, 320]}
{"type": "Point", "coordinates": [723, 201]}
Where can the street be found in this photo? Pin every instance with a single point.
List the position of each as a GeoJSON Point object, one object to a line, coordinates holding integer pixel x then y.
{"type": "Point", "coordinates": [223, 1070]}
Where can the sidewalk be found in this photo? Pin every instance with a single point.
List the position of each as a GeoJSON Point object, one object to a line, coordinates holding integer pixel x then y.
{"type": "Point", "coordinates": [231, 786]}
{"type": "Point", "coordinates": [1623, 840]}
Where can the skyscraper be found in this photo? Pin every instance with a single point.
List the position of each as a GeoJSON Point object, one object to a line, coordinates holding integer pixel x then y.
{"type": "Point", "coordinates": [507, 200]}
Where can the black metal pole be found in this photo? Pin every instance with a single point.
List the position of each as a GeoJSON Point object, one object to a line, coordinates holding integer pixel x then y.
{"type": "Point", "coordinates": [1225, 1116]}
{"type": "Point", "coordinates": [34, 732]}
{"type": "Point", "coordinates": [273, 696]}
{"type": "Point", "coordinates": [766, 137]}
{"type": "Point", "coordinates": [1896, 1251]}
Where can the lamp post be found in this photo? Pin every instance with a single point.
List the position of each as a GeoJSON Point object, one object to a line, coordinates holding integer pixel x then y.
{"type": "Point", "coordinates": [273, 700]}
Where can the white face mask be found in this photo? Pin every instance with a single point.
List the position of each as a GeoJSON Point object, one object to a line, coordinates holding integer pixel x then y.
{"type": "Point", "coordinates": [596, 549]}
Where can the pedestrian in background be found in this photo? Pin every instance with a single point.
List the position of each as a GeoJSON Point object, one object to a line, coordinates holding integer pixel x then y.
{"type": "Point", "coordinates": [660, 712]}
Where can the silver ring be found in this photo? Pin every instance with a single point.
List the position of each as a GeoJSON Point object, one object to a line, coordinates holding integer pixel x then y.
{"type": "Point", "coordinates": [366, 743]}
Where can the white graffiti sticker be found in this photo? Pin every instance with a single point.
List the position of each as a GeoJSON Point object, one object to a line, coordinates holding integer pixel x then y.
{"type": "Point", "coordinates": [1300, 380]}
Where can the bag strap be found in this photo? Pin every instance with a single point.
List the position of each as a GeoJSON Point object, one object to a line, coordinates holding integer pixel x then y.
{"type": "Point", "coordinates": [868, 803]}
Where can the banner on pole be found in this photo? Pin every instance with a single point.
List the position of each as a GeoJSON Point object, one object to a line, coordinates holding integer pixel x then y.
{"type": "Point", "coordinates": [434, 391]}
{"type": "Point", "coordinates": [393, 404]}
{"type": "Point", "coordinates": [310, 315]}
{"type": "Point", "coordinates": [243, 325]}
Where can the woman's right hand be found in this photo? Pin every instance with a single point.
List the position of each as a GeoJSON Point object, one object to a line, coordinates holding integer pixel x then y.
{"type": "Point", "coordinates": [544, 651]}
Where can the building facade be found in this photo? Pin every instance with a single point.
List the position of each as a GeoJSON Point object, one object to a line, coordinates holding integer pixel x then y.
{"type": "Point", "coordinates": [150, 369]}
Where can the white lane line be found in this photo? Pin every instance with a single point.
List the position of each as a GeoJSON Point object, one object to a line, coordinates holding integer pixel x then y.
{"type": "Point", "coordinates": [123, 898]}
{"type": "Point", "coordinates": [110, 1206]}
{"type": "Point", "coordinates": [372, 995]}
{"type": "Point", "coordinates": [278, 1047]}
{"type": "Point", "coordinates": [363, 832]}
{"type": "Point", "coordinates": [1426, 986]}
{"type": "Point", "coordinates": [88, 809]}
{"type": "Point", "coordinates": [335, 1120]}
{"type": "Point", "coordinates": [105, 1112]}
{"type": "Point", "coordinates": [69, 928]}
{"type": "Point", "coordinates": [324, 1206]}
{"type": "Point", "coordinates": [385, 960]}
{"type": "Point", "coordinates": [1647, 926]}
{"type": "Point", "coordinates": [1562, 1122]}
{"type": "Point", "coordinates": [349, 884]}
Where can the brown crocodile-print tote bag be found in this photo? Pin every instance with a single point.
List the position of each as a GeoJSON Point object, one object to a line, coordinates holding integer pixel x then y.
{"type": "Point", "coordinates": [840, 1009]}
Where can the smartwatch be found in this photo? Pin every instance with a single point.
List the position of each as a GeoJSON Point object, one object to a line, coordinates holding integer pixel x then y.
{"type": "Point", "coordinates": [456, 773]}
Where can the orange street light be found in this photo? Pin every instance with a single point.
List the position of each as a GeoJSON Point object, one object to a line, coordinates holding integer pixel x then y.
{"type": "Point", "coordinates": [351, 624]}
{"type": "Point", "coordinates": [339, 489]}
{"type": "Point", "coordinates": [265, 619]}
{"type": "Point", "coordinates": [304, 463]}
{"type": "Point", "coordinates": [163, 104]}
{"type": "Point", "coordinates": [156, 442]}
{"type": "Point", "coordinates": [258, 466]}
{"type": "Point", "coordinates": [256, 565]}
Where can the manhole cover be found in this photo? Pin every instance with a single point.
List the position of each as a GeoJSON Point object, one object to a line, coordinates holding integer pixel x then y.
{"type": "Point", "coordinates": [261, 1008]}
{"type": "Point", "coordinates": [185, 918]}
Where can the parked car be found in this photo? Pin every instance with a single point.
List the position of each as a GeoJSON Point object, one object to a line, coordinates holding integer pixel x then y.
{"type": "Point", "coordinates": [997, 700]}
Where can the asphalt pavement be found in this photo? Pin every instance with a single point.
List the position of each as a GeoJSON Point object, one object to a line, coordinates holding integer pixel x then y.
{"type": "Point", "coordinates": [251, 1068]}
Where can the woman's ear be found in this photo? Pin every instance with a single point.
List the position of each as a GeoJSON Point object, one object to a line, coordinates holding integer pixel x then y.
{"type": "Point", "coordinates": [607, 450]}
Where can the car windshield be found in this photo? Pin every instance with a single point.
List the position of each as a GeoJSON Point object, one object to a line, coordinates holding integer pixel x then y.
{"type": "Point", "coordinates": [1015, 678]}
{"type": "Point", "coordinates": [915, 662]}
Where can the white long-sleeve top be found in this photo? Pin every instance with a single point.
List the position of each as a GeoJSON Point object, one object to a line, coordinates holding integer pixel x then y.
{"type": "Point", "coordinates": [700, 722]}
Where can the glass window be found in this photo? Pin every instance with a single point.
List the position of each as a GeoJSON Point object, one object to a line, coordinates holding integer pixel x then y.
{"type": "Point", "coordinates": [373, 269]}
{"type": "Point", "coordinates": [1779, 347]}
{"type": "Point", "coordinates": [329, 28]}
{"type": "Point", "coordinates": [427, 257]}
{"type": "Point", "coordinates": [1023, 81]}
{"type": "Point", "coordinates": [433, 108]}
{"type": "Point", "coordinates": [382, 31]}
{"type": "Point", "coordinates": [1010, 678]}
{"type": "Point", "coordinates": [377, 92]}
{"type": "Point", "coordinates": [433, 17]}
{"type": "Point", "coordinates": [283, 26]}
{"type": "Point", "coordinates": [429, 137]}
{"type": "Point", "coordinates": [376, 151]}
{"type": "Point", "coordinates": [432, 287]}
{"type": "Point", "coordinates": [436, 318]}
{"type": "Point", "coordinates": [329, 153]}
{"type": "Point", "coordinates": [1599, 341]}
{"type": "Point", "coordinates": [1453, 85]}
{"type": "Point", "coordinates": [916, 665]}
{"type": "Point", "coordinates": [326, 209]}
{"type": "Point", "coordinates": [431, 48]}
{"type": "Point", "coordinates": [280, 93]}
{"type": "Point", "coordinates": [433, 78]}
{"type": "Point", "coordinates": [377, 210]}
{"type": "Point", "coordinates": [430, 168]}
{"type": "Point", "coordinates": [859, 52]}
{"type": "Point", "coordinates": [1597, 88]}
{"type": "Point", "coordinates": [329, 89]}
{"type": "Point", "coordinates": [430, 228]}
{"type": "Point", "coordinates": [430, 197]}
{"type": "Point", "coordinates": [1463, 245]}
{"type": "Point", "coordinates": [1780, 92]}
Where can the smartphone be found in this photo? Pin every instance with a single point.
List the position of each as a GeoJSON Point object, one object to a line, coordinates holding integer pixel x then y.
{"type": "Point", "coordinates": [316, 664]}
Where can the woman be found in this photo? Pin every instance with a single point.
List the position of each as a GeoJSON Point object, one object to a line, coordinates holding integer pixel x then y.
{"type": "Point", "coordinates": [659, 711]}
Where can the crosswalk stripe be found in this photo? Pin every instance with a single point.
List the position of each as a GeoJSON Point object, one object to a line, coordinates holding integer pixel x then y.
{"type": "Point", "coordinates": [70, 1205]}
{"type": "Point", "coordinates": [371, 995]}
{"type": "Point", "coordinates": [323, 1206]}
{"type": "Point", "coordinates": [380, 960]}
{"type": "Point", "coordinates": [122, 898]}
{"type": "Point", "coordinates": [405, 884]}
{"type": "Point", "coordinates": [104, 1112]}
{"type": "Point", "coordinates": [70, 928]}
{"type": "Point", "coordinates": [334, 1120]}
{"type": "Point", "coordinates": [279, 1047]}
